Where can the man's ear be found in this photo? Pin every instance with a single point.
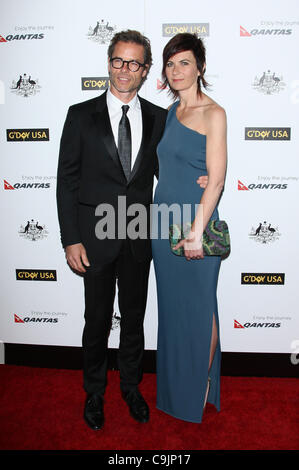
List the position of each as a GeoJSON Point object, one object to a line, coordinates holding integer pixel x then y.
{"type": "Point", "coordinates": [145, 71]}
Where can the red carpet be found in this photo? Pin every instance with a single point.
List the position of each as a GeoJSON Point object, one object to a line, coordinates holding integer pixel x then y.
{"type": "Point", "coordinates": [41, 409]}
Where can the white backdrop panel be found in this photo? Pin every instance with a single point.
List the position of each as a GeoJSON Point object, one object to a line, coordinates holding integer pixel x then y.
{"type": "Point", "coordinates": [254, 75]}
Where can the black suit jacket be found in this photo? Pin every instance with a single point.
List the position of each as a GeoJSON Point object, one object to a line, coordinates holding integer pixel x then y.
{"type": "Point", "coordinates": [90, 173]}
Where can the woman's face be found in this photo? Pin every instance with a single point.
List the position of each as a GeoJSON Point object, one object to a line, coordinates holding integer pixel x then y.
{"type": "Point", "coordinates": [181, 71]}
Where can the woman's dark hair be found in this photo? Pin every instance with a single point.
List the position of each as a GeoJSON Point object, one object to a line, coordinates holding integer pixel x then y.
{"type": "Point", "coordinates": [135, 37]}
{"type": "Point", "coordinates": [185, 42]}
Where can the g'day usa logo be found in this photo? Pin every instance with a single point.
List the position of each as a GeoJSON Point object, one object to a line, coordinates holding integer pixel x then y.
{"type": "Point", "coordinates": [94, 83]}
{"type": "Point", "coordinates": [36, 275]}
{"type": "Point", "coordinates": [27, 135]}
{"type": "Point", "coordinates": [171, 29]}
{"type": "Point", "coordinates": [268, 133]}
{"type": "Point", "coordinates": [269, 279]}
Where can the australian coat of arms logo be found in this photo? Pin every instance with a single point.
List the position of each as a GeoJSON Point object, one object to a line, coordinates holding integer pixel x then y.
{"type": "Point", "coordinates": [25, 86]}
{"type": "Point", "coordinates": [102, 32]}
{"type": "Point", "coordinates": [33, 230]}
{"type": "Point", "coordinates": [264, 233]}
{"type": "Point", "coordinates": [269, 83]}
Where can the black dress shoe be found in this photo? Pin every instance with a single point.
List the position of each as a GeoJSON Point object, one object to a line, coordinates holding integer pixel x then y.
{"type": "Point", "coordinates": [137, 405]}
{"type": "Point", "coordinates": [93, 412]}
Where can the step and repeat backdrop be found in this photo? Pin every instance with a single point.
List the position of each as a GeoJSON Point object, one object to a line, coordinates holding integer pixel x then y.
{"type": "Point", "coordinates": [54, 54]}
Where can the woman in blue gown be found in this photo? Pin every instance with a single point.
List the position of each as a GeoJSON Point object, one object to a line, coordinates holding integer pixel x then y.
{"type": "Point", "coordinates": [193, 144]}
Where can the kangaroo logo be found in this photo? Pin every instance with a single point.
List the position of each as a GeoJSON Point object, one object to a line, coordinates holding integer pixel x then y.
{"type": "Point", "coordinates": [101, 33]}
{"type": "Point", "coordinates": [33, 230]}
{"type": "Point", "coordinates": [264, 233]}
{"type": "Point", "coordinates": [268, 83]}
{"type": "Point", "coordinates": [25, 86]}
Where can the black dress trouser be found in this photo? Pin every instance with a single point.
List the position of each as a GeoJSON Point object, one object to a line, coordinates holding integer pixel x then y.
{"type": "Point", "coordinates": [131, 277]}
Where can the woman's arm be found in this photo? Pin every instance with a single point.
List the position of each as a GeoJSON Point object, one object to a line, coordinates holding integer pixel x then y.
{"type": "Point", "coordinates": [216, 161]}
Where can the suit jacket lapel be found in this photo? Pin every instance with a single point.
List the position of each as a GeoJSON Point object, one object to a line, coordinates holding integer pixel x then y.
{"type": "Point", "coordinates": [147, 126]}
{"type": "Point", "coordinates": [102, 120]}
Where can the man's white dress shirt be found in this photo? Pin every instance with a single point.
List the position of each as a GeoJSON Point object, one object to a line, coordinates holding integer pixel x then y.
{"type": "Point", "coordinates": [135, 117]}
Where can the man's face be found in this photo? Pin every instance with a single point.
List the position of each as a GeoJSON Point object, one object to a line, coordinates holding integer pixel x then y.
{"type": "Point", "coordinates": [124, 83]}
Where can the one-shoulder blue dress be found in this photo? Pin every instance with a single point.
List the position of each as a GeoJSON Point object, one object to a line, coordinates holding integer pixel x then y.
{"type": "Point", "coordinates": [186, 290]}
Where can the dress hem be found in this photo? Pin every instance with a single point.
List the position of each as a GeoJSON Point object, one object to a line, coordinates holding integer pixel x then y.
{"type": "Point", "coordinates": [179, 417]}
{"type": "Point", "coordinates": [199, 421]}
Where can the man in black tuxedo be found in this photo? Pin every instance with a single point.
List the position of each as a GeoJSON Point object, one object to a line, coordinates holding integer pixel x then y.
{"type": "Point", "coordinates": [102, 157]}
{"type": "Point", "coordinates": [91, 171]}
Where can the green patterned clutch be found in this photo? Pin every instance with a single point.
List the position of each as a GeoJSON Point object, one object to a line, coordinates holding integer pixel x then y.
{"type": "Point", "coordinates": [215, 239]}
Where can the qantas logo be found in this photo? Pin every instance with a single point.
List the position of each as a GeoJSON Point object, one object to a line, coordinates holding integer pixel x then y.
{"type": "Point", "coordinates": [17, 319]}
{"type": "Point", "coordinates": [241, 186]}
{"type": "Point", "coordinates": [237, 324]}
{"type": "Point", "coordinates": [264, 32]}
{"type": "Point", "coordinates": [243, 32]}
{"type": "Point", "coordinates": [256, 325]}
{"type": "Point", "coordinates": [9, 187]}
{"type": "Point", "coordinates": [251, 186]}
{"type": "Point", "coordinates": [21, 37]}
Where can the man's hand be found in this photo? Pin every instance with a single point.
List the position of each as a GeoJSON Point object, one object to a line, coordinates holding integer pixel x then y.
{"type": "Point", "coordinates": [76, 257]}
{"type": "Point", "coordinates": [202, 181]}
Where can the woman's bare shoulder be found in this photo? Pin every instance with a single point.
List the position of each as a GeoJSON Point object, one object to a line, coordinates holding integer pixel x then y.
{"type": "Point", "coordinates": [215, 114]}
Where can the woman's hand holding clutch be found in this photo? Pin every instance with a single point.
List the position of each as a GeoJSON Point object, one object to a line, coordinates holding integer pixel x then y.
{"type": "Point", "coordinates": [192, 246]}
